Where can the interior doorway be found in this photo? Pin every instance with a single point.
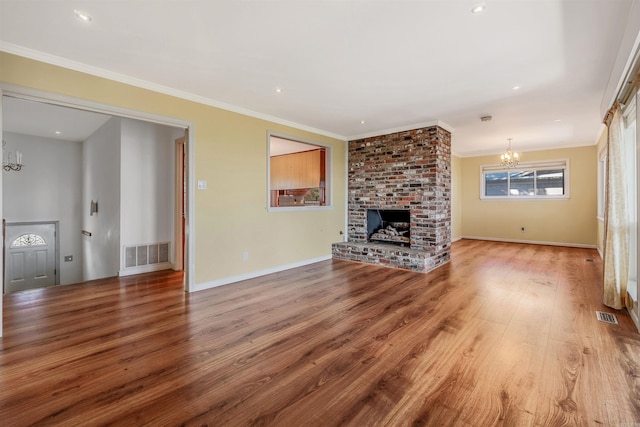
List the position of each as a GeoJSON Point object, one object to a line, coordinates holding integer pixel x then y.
{"type": "Point", "coordinates": [181, 246]}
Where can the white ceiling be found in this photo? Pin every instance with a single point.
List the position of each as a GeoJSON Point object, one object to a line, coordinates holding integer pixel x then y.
{"type": "Point", "coordinates": [49, 121]}
{"type": "Point", "coordinates": [388, 63]}
{"type": "Point", "coordinates": [279, 146]}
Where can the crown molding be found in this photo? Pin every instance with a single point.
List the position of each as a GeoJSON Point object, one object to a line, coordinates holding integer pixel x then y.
{"type": "Point", "coordinates": [627, 59]}
{"type": "Point", "coordinates": [405, 128]}
{"type": "Point", "coordinates": [528, 149]}
{"type": "Point", "coordinates": [144, 84]}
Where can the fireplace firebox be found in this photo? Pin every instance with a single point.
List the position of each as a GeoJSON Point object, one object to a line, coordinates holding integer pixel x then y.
{"type": "Point", "coordinates": [389, 226]}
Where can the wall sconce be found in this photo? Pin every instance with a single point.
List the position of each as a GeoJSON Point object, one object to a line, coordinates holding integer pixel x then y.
{"type": "Point", "coordinates": [94, 208]}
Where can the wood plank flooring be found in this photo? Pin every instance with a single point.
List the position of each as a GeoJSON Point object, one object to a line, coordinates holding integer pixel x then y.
{"type": "Point", "coordinates": [503, 335]}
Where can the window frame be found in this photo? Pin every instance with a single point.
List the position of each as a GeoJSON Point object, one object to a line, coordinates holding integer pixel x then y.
{"type": "Point", "coordinates": [328, 170]}
{"type": "Point", "coordinates": [30, 240]}
{"type": "Point", "coordinates": [527, 166]}
{"type": "Point", "coordinates": [602, 181]}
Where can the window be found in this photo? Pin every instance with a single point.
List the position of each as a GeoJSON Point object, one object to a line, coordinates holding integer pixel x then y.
{"type": "Point", "coordinates": [28, 240]}
{"type": "Point", "coordinates": [535, 180]}
{"type": "Point", "coordinates": [629, 140]}
{"type": "Point", "coordinates": [298, 173]}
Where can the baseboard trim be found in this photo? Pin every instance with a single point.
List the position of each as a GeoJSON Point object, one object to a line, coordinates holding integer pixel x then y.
{"type": "Point", "coordinates": [632, 305]}
{"type": "Point", "coordinates": [532, 242]}
{"type": "Point", "coordinates": [149, 268]}
{"type": "Point", "coordinates": [254, 274]}
{"type": "Point", "coordinates": [455, 239]}
{"type": "Point", "coordinates": [635, 319]}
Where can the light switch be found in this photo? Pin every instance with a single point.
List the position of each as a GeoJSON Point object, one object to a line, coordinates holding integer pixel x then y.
{"type": "Point", "coordinates": [202, 184]}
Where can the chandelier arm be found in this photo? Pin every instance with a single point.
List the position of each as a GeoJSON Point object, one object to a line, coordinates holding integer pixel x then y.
{"type": "Point", "coordinates": [9, 164]}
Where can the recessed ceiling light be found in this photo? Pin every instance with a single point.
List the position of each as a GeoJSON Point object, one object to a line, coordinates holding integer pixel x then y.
{"type": "Point", "coordinates": [82, 16]}
{"type": "Point", "coordinates": [557, 120]}
{"type": "Point", "coordinates": [58, 132]}
{"type": "Point", "coordinates": [278, 90]}
{"type": "Point", "coordinates": [479, 8]}
{"type": "Point", "coordinates": [361, 122]}
{"type": "Point", "coordinates": [516, 87]}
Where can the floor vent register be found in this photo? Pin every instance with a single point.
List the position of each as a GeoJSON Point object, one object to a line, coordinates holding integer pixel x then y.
{"type": "Point", "coordinates": [607, 317]}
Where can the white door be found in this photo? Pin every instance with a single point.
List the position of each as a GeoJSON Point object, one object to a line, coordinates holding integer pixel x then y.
{"type": "Point", "coordinates": [30, 260]}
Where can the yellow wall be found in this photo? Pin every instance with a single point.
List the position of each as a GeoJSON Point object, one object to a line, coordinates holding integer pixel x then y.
{"type": "Point", "coordinates": [571, 221]}
{"type": "Point", "coordinates": [230, 153]}
{"type": "Point", "coordinates": [456, 198]}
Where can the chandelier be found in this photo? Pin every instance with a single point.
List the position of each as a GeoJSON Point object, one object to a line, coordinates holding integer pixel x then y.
{"type": "Point", "coordinates": [509, 159]}
{"type": "Point", "coordinates": [12, 162]}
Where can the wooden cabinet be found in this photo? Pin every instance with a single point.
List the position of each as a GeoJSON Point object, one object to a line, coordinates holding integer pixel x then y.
{"type": "Point", "coordinates": [281, 173]}
{"type": "Point", "coordinates": [297, 170]}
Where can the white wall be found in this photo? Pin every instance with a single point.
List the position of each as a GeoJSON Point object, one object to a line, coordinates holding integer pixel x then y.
{"type": "Point", "coordinates": [48, 188]}
{"type": "Point", "coordinates": [128, 168]}
{"type": "Point", "coordinates": [101, 183]}
{"type": "Point", "coordinates": [147, 183]}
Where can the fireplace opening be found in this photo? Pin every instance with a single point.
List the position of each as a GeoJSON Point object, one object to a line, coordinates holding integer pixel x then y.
{"type": "Point", "coordinates": [389, 226]}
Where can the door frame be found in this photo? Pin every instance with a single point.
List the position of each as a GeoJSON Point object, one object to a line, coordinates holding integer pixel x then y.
{"type": "Point", "coordinates": [179, 203]}
{"type": "Point", "coordinates": [56, 249]}
{"type": "Point", "coordinates": [1, 216]}
{"type": "Point", "coordinates": [83, 104]}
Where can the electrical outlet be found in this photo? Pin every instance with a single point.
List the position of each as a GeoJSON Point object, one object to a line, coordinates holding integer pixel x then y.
{"type": "Point", "coordinates": [245, 256]}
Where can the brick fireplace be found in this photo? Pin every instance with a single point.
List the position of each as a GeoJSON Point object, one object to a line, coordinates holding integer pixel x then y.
{"type": "Point", "coordinates": [403, 171]}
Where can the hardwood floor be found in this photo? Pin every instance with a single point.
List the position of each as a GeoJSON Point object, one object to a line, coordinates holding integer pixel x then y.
{"type": "Point", "coordinates": [505, 334]}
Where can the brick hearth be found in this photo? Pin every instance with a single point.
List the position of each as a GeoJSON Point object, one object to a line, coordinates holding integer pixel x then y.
{"type": "Point", "coordinates": [404, 170]}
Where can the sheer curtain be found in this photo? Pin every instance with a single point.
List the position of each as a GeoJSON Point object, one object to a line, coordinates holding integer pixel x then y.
{"type": "Point", "coordinates": [616, 254]}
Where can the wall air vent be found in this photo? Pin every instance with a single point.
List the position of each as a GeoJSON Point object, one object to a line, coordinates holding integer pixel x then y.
{"type": "Point", "coordinates": [148, 254]}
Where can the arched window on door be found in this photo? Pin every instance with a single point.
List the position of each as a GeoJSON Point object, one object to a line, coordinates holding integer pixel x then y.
{"type": "Point", "coordinates": [29, 239]}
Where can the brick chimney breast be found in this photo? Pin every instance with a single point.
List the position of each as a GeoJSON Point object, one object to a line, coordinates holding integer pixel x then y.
{"type": "Point", "coordinates": [405, 170]}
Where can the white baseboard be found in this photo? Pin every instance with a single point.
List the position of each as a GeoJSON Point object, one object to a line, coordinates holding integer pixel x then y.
{"type": "Point", "coordinates": [632, 305]}
{"type": "Point", "coordinates": [455, 239]}
{"type": "Point", "coordinates": [254, 274]}
{"type": "Point", "coordinates": [149, 268]}
{"type": "Point", "coordinates": [635, 319]}
{"type": "Point", "coordinates": [532, 242]}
